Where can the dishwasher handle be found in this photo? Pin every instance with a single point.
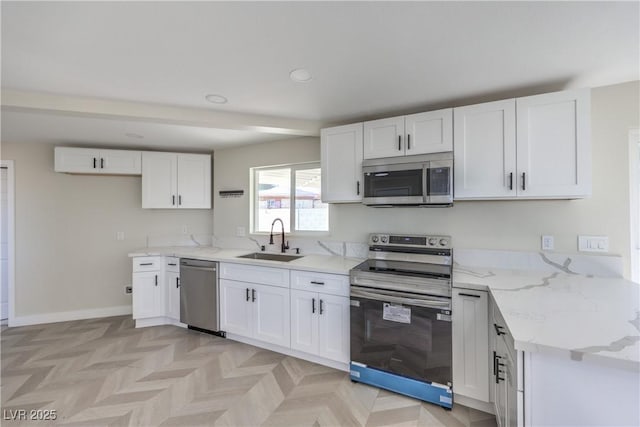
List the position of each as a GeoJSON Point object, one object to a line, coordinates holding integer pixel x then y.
{"type": "Point", "coordinates": [194, 267]}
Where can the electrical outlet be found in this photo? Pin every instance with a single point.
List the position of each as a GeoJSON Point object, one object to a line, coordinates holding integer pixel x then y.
{"type": "Point", "coordinates": [120, 235]}
{"type": "Point", "coordinates": [128, 289]}
{"type": "Point", "coordinates": [547, 243]}
{"type": "Point", "coordinates": [185, 229]}
{"type": "Point", "coordinates": [241, 232]}
{"type": "Point", "coordinates": [593, 243]}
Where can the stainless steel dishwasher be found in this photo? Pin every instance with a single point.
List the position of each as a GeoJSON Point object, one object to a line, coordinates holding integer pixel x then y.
{"type": "Point", "coordinates": [199, 294]}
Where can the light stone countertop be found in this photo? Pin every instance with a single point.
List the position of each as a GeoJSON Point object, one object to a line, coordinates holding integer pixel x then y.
{"type": "Point", "coordinates": [581, 317]}
{"type": "Point", "coordinates": [319, 263]}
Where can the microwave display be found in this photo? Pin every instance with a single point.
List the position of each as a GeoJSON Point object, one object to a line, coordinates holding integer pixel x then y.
{"type": "Point", "coordinates": [402, 183]}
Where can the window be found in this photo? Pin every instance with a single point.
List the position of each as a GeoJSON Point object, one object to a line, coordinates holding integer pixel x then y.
{"type": "Point", "coordinates": [291, 193]}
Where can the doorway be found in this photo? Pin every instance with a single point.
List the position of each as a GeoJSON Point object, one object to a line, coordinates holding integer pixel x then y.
{"type": "Point", "coordinates": [7, 248]}
{"type": "Point", "coordinates": [634, 198]}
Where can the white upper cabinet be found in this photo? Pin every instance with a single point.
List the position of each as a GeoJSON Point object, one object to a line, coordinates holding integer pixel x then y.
{"type": "Point", "coordinates": [384, 138]}
{"type": "Point", "coordinates": [422, 133]}
{"type": "Point", "coordinates": [430, 132]}
{"type": "Point", "coordinates": [554, 144]}
{"type": "Point", "coordinates": [341, 163]}
{"type": "Point", "coordinates": [194, 181]}
{"type": "Point", "coordinates": [484, 149]}
{"type": "Point", "coordinates": [97, 161]}
{"type": "Point", "coordinates": [549, 156]}
{"type": "Point", "coordinates": [171, 180]}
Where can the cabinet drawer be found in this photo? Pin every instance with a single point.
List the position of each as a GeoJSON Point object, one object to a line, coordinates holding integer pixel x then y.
{"type": "Point", "coordinates": [172, 264]}
{"type": "Point", "coordinates": [254, 274]}
{"type": "Point", "coordinates": [335, 284]}
{"type": "Point", "coordinates": [147, 263]}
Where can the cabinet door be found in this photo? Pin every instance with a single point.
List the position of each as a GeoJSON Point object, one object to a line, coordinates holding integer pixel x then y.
{"type": "Point", "coordinates": [500, 384]}
{"type": "Point", "coordinates": [124, 162]}
{"type": "Point", "coordinates": [304, 321]}
{"type": "Point", "coordinates": [271, 315]}
{"type": "Point", "coordinates": [341, 163]}
{"type": "Point", "coordinates": [384, 138]}
{"type": "Point", "coordinates": [484, 146]}
{"type": "Point", "coordinates": [159, 180]}
{"type": "Point", "coordinates": [77, 160]}
{"type": "Point", "coordinates": [554, 148]}
{"type": "Point", "coordinates": [471, 344]}
{"type": "Point", "coordinates": [430, 132]}
{"type": "Point", "coordinates": [194, 181]}
{"type": "Point", "coordinates": [334, 327]}
{"type": "Point", "coordinates": [236, 310]}
{"type": "Point", "coordinates": [148, 300]}
{"type": "Point", "coordinates": [172, 288]}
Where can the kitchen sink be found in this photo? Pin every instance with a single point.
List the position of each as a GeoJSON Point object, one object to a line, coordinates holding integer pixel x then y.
{"type": "Point", "coordinates": [270, 257]}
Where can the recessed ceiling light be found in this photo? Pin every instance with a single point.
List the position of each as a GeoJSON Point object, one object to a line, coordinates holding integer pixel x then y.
{"type": "Point", "coordinates": [134, 135]}
{"type": "Point", "coordinates": [216, 99]}
{"type": "Point", "coordinates": [301, 75]}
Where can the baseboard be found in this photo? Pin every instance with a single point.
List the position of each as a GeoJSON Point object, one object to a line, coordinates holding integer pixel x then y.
{"type": "Point", "coordinates": [290, 352]}
{"type": "Point", "coordinates": [65, 316]}
{"type": "Point", "coordinates": [473, 403]}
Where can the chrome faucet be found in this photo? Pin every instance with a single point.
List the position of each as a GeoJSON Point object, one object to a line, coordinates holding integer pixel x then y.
{"type": "Point", "coordinates": [285, 245]}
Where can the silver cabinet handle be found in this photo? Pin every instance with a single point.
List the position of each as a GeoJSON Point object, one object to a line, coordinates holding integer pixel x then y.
{"type": "Point", "coordinates": [313, 282]}
{"type": "Point", "coordinates": [321, 310]}
{"type": "Point", "coordinates": [146, 263]}
{"type": "Point", "coordinates": [511, 181]}
{"type": "Point", "coordinates": [408, 141]}
{"type": "Point", "coordinates": [313, 305]}
{"type": "Point", "coordinates": [253, 295]}
{"type": "Point", "coordinates": [247, 294]}
{"type": "Point", "coordinates": [177, 282]}
{"type": "Point", "coordinates": [399, 142]}
{"type": "Point", "coordinates": [156, 280]}
{"type": "Point", "coordinates": [524, 181]}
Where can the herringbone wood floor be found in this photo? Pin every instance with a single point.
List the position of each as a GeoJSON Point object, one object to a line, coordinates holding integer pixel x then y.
{"type": "Point", "coordinates": [105, 372]}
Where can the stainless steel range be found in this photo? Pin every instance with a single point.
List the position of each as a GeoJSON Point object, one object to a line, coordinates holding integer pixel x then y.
{"type": "Point", "coordinates": [401, 316]}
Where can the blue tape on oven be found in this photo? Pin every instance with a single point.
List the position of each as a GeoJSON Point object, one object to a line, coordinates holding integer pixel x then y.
{"type": "Point", "coordinates": [438, 394]}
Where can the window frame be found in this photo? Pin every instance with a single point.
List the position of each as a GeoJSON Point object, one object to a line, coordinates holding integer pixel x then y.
{"type": "Point", "coordinates": [255, 206]}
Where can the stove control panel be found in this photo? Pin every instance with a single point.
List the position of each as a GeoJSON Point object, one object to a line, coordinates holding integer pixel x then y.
{"type": "Point", "coordinates": [410, 240]}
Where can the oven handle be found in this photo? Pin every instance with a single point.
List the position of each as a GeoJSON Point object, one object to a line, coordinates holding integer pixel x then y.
{"type": "Point", "coordinates": [400, 298]}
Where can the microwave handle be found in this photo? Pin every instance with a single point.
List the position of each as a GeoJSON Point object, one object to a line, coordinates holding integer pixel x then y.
{"type": "Point", "coordinates": [425, 183]}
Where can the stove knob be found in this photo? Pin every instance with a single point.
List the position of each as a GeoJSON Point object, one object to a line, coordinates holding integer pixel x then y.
{"type": "Point", "coordinates": [433, 241]}
{"type": "Point", "coordinates": [444, 242]}
{"type": "Point", "coordinates": [383, 239]}
{"type": "Point", "coordinates": [374, 239]}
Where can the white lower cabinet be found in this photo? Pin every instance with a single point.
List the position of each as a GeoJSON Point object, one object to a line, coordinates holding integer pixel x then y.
{"type": "Point", "coordinates": [471, 343]}
{"type": "Point", "coordinates": [255, 311]}
{"type": "Point", "coordinates": [320, 324]}
{"type": "Point", "coordinates": [148, 295]}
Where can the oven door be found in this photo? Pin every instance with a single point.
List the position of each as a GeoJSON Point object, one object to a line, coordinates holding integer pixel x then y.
{"type": "Point", "coordinates": [405, 334]}
{"type": "Point", "coordinates": [440, 182]}
{"type": "Point", "coordinates": [395, 184]}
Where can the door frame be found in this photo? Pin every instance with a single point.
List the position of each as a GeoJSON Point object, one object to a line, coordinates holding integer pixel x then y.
{"type": "Point", "coordinates": [11, 248]}
{"type": "Point", "coordinates": [634, 203]}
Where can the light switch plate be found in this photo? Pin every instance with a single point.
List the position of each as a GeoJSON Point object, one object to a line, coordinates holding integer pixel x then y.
{"type": "Point", "coordinates": [593, 243]}
{"type": "Point", "coordinates": [120, 235]}
{"type": "Point", "coordinates": [547, 243]}
{"type": "Point", "coordinates": [241, 232]}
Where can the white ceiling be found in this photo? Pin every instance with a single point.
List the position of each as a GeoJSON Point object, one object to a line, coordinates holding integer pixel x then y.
{"type": "Point", "coordinates": [367, 58]}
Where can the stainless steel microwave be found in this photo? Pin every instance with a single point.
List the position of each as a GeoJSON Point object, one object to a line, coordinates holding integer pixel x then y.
{"type": "Point", "coordinates": [422, 180]}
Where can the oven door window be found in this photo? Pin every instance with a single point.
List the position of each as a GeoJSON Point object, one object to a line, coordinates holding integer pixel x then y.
{"type": "Point", "coordinates": [402, 183]}
{"type": "Point", "coordinates": [419, 349]}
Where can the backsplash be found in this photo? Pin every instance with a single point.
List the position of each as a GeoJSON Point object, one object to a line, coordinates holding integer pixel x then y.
{"type": "Point", "coordinates": [589, 265]}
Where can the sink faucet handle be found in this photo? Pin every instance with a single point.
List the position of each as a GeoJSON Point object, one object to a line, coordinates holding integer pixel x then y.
{"type": "Point", "coordinates": [286, 245]}
{"type": "Point", "coordinates": [262, 248]}
{"type": "Point", "coordinates": [297, 251]}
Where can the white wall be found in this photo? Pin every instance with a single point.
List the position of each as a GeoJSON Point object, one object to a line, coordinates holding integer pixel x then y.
{"type": "Point", "coordinates": [511, 225]}
{"type": "Point", "coordinates": [67, 255]}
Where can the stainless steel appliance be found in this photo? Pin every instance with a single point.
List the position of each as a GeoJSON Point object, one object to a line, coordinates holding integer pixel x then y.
{"type": "Point", "coordinates": [199, 294]}
{"type": "Point", "coordinates": [423, 180]}
{"type": "Point", "coordinates": [401, 316]}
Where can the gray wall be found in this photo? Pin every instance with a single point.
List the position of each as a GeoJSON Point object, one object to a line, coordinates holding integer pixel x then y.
{"type": "Point", "coordinates": [67, 255]}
